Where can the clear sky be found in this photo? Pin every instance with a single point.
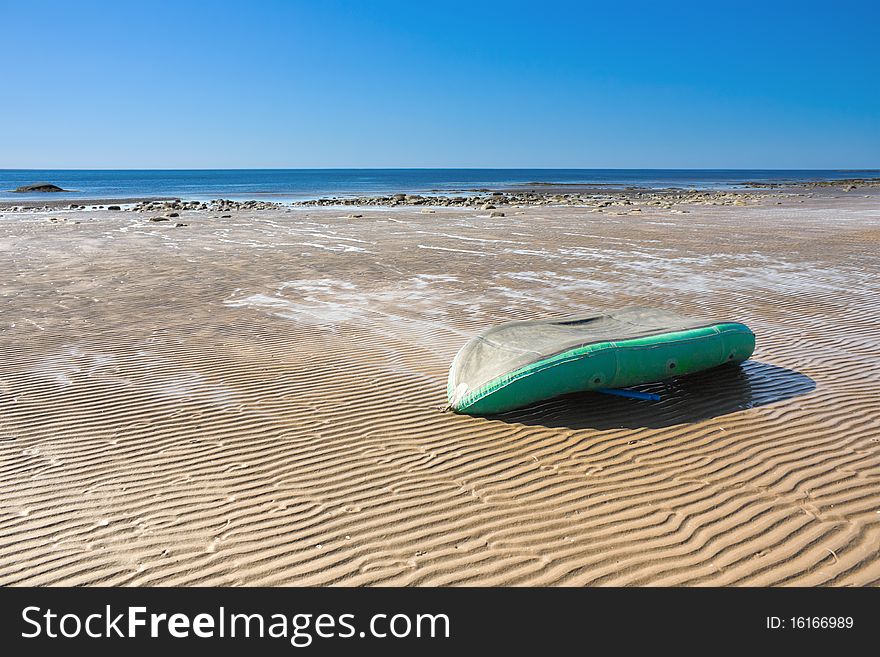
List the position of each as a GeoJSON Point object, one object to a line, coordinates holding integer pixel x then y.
{"type": "Point", "coordinates": [374, 83]}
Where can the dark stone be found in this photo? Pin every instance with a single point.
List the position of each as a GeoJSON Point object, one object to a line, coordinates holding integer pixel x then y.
{"type": "Point", "coordinates": [113, 207]}
{"type": "Point", "coordinates": [40, 187]}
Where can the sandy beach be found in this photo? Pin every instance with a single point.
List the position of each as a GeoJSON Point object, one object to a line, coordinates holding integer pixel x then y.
{"type": "Point", "coordinates": [256, 398]}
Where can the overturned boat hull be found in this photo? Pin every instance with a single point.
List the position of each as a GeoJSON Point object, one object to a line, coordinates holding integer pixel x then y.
{"type": "Point", "coordinates": [519, 363]}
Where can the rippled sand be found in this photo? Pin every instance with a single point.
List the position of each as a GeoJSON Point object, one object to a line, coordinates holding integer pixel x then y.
{"type": "Point", "coordinates": [256, 400]}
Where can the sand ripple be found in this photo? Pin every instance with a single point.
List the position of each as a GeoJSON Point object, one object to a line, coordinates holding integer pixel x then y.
{"type": "Point", "coordinates": [180, 409]}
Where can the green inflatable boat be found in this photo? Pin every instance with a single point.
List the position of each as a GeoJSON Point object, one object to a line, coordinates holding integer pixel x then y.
{"type": "Point", "coordinates": [519, 363]}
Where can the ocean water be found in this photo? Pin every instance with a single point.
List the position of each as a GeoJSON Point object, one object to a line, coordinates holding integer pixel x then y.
{"type": "Point", "coordinates": [301, 184]}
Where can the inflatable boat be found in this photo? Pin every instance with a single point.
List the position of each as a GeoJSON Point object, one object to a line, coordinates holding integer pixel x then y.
{"type": "Point", "coordinates": [519, 363]}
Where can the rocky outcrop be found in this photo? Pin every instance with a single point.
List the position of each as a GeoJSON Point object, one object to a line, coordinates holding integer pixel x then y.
{"type": "Point", "coordinates": [610, 200]}
{"type": "Point", "coordinates": [39, 187]}
{"type": "Point", "coordinates": [849, 184]}
{"type": "Point", "coordinates": [217, 205]}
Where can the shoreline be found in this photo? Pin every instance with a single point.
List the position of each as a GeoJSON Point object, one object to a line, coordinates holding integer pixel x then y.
{"type": "Point", "coordinates": [520, 196]}
{"type": "Point", "coordinates": [536, 193]}
{"type": "Point", "coordinates": [77, 204]}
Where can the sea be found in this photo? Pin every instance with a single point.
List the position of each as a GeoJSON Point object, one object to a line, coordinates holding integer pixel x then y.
{"type": "Point", "coordinates": [303, 184]}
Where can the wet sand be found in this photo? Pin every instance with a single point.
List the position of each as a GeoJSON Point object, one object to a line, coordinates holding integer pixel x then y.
{"type": "Point", "coordinates": [255, 400]}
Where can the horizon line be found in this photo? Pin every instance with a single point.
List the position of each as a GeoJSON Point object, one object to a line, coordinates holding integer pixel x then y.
{"type": "Point", "coordinates": [839, 169]}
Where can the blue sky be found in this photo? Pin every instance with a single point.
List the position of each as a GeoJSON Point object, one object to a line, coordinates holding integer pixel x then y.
{"type": "Point", "coordinates": [459, 84]}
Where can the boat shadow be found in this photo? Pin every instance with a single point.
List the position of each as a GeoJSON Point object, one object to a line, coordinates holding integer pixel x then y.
{"type": "Point", "coordinates": [684, 400]}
